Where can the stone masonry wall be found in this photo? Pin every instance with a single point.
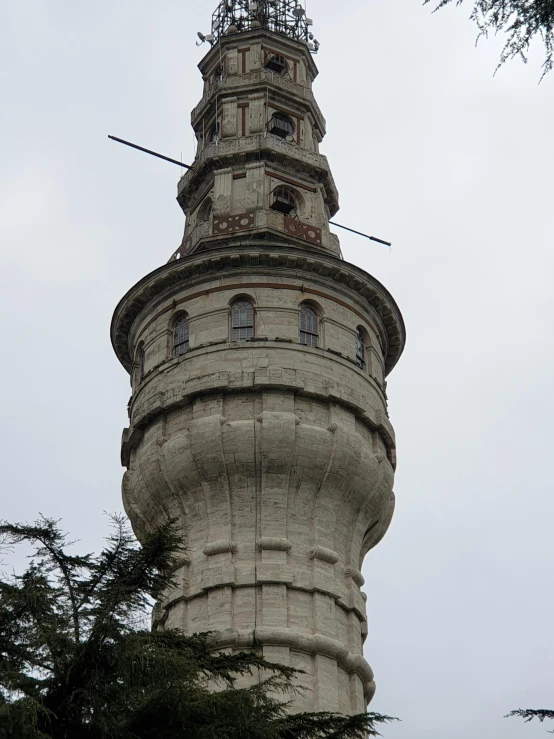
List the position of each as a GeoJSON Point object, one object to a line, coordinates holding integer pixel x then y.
{"type": "Point", "coordinates": [277, 459]}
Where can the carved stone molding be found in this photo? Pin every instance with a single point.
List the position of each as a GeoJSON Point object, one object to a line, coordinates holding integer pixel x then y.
{"type": "Point", "coordinates": [356, 575]}
{"type": "Point", "coordinates": [220, 547]}
{"type": "Point", "coordinates": [273, 544]}
{"type": "Point", "coordinates": [326, 555]}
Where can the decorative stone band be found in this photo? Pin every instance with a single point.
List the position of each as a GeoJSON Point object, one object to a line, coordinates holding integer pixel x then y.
{"type": "Point", "coordinates": [272, 544]}
{"type": "Point", "coordinates": [356, 575]}
{"type": "Point", "coordinates": [326, 555]}
{"type": "Point", "coordinates": [305, 231]}
{"type": "Point", "coordinates": [220, 547]}
{"type": "Point", "coordinates": [232, 224]}
{"type": "Point", "coordinates": [316, 644]}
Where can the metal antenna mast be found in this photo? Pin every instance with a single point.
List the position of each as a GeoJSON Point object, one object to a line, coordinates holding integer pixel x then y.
{"type": "Point", "coordinates": [286, 17]}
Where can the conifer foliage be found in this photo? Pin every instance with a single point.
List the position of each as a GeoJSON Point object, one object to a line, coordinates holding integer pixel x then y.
{"type": "Point", "coordinates": [528, 714]}
{"type": "Point", "coordinates": [77, 659]}
{"type": "Point", "coordinates": [522, 21]}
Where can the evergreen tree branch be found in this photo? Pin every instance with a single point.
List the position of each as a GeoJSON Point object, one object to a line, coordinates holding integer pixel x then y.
{"type": "Point", "coordinates": [528, 714]}
{"type": "Point", "coordinates": [46, 532]}
{"type": "Point", "coordinates": [107, 559]}
{"type": "Point", "coordinates": [522, 21]}
{"type": "Point", "coordinates": [114, 680]}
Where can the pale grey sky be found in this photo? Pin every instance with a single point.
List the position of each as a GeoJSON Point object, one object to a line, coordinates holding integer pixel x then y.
{"type": "Point", "coordinates": [428, 150]}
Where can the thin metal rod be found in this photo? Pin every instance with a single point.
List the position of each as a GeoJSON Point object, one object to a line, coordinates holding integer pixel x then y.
{"type": "Point", "coordinates": [149, 151]}
{"type": "Point", "coordinates": [187, 166]}
{"type": "Point", "coordinates": [359, 233]}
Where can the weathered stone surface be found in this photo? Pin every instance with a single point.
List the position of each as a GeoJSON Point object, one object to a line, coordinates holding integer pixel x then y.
{"type": "Point", "coordinates": [276, 458]}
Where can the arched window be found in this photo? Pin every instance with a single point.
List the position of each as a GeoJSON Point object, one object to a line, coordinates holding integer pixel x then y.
{"type": "Point", "coordinates": [180, 336]}
{"type": "Point", "coordinates": [360, 348]}
{"type": "Point", "coordinates": [281, 125]}
{"type": "Point", "coordinates": [242, 320]}
{"type": "Point", "coordinates": [284, 200]}
{"type": "Point", "coordinates": [277, 63]}
{"type": "Point", "coordinates": [309, 326]}
{"type": "Point", "coordinates": [205, 211]}
{"type": "Point", "coordinates": [213, 135]}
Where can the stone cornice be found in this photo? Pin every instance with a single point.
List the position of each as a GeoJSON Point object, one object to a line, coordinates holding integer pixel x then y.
{"type": "Point", "coordinates": [258, 256]}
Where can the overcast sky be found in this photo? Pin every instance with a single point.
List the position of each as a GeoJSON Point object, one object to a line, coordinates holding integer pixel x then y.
{"type": "Point", "coordinates": [428, 151]}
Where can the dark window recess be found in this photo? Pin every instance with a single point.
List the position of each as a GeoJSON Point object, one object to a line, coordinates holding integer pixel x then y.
{"type": "Point", "coordinates": [360, 350]}
{"type": "Point", "coordinates": [214, 133]}
{"type": "Point", "coordinates": [277, 63]}
{"type": "Point", "coordinates": [242, 321]}
{"type": "Point", "coordinates": [181, 337]}
{"type": "Point", "coordinates": [281, 125]}
{"type": "Point", "coordinates": [309, 326]}
{"type": "Point", "coordinates": [142, 362]}
{"type": "Point", "coordinates": [205, 211]}
{"type": "Point", "coordinates": [284, 200]}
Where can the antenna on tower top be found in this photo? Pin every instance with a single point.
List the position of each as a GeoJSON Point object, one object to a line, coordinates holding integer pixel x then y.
{"type": "Point", "coordinates": [286, 17]}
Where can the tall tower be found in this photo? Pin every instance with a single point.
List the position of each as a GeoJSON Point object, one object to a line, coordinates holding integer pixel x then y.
{"type": "Point", "coordinates": [258, 359]}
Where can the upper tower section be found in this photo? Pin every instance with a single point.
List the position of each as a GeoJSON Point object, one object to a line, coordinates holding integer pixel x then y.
{"type": "Point", "coordinates": [258, 170]}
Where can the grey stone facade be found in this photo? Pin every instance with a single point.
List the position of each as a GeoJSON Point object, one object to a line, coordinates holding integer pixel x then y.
{"type": "Point", "coordinates": [276, 457]}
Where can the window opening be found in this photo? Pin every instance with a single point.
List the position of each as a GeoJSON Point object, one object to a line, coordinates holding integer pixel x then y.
{"type": "Point", "coordinates": [242, 321]}
{"type": "Point", "coordinates": [277, 63]}
{"type": "Point", "coordinates": [181, 336]}
{"type": "Point", "coordinates": [360, 350]}
{"type": "Point", "coordinates": [205, 211]}
{"type": "Point", "coordinates": [284, 200]}
{"type": "Point", "coordinates": [281, 125]}
{"type": "Point", "coordinates": [214, 133]}
{"type": "Point", "coordinates": [309, 326]}
{"type": "Point", "coordinates": [142, 363]}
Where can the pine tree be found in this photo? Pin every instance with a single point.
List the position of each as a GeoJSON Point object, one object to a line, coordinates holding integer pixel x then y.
{"type": "Point", "coordinates": [78, 660]}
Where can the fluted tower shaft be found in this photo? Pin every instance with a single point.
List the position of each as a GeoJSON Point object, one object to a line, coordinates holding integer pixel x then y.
{"type": "Point", "coordinates": [258, 360]}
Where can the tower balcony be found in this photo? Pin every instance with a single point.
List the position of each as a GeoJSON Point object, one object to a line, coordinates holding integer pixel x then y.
{"type": "Point", "coordinates": [239, 151]}
{"type": "Point", "coordinates": [252, 81]}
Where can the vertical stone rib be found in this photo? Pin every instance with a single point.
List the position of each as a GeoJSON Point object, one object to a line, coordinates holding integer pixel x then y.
{"type": "Point", "coordinates": [336, 486]}
{"type": "Point", "coordinates": [277, 460]}
{"type": "Point", "coordinates": [373, 506]}
{"type": "Point", "coordinates": [207, 452]}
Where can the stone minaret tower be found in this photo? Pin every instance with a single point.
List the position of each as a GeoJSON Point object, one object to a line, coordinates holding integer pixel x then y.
{"type": "Point", "coordinates": [258, 360]}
